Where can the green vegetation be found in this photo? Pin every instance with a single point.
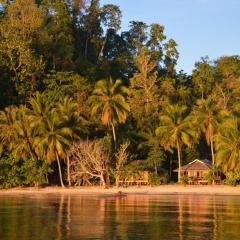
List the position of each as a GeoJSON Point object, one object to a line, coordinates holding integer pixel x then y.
{"type": "Point", "coordinates": [80, 100]}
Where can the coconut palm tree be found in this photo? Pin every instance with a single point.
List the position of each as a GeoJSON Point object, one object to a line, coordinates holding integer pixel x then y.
{"type": "Point", "coordinates": [40, 106]}
{"type": "Point", "coordinates": [69, 114]}
{"type": "Point", "coordinates": [17, 133]}
{"type": "Point", "coordinates": [175, 131]}
{"type": "Point", "coordinates": [24, 135]}
{"type": "Point", "coordinates": [53, 139]}
{"type": "Point", "coordinates": [207, 116]}
{"type": "Point", "coordinates": [8, 118]}
{"type": "Point", "coordinates": [109, 98]}
{"type": "Point", "coordinates": [228, 145]}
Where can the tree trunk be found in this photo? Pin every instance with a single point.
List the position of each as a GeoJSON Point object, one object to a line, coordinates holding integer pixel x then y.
{"type": "Point", "coordinates": [103, 46]}
{"type": "Point", "coordinates": [212, 150]}
{"type": "Point", "coordinates": [68, 172]}
{"type": "Point", "coordinates": [107, 180]}
{"type": "Point", "coordinates": [53, 63]}
{"type": "Point", "coordinates": [60, 170]}
{"type": "Point", "coordinates": [117, 180]}
{"type": "Point", "coordinates": [170, 170]}
{"type": "Point", "coordinates": [46, 176]}
{"type": "Point", "coordinates": [156, 168]}
{"type": "Point", "coordinates": [86, 47]}
{"type": "Point", "coordinates": [213, 157]}
{"type": "Point", "coordinates": [179, 161]}
{"type": "Point", "coordinates": [30, 146]}
{"type": "Point", "coordinates": [114, 136]}
{"type": "Point", "coordinates": [103, 181]}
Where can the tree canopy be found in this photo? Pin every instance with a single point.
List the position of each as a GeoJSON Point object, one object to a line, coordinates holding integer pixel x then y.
{"type": "Point", "coordinates": [71, 77]}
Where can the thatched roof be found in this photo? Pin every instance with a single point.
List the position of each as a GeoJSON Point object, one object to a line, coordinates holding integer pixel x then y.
{"type": "Point", "coordinates": [196, 165]}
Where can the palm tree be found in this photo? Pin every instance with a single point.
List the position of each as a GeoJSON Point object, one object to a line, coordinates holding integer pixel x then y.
{"type": "Point", "coordinates": [40, 106]}
{"type": "Point", "coordinates": [207, 116]}
{"type": "Point", "coordinates": [68, 112]}
{"type": "Point", "coordinates": [228, 145]}
{"type": "Point", "coordinates": [175, 130]}
{"type": "Point", "coordinates": [53, 139]}
{"type": "Point", "coordinates": [24, 134]}
{"type": "Point", "coordinates": [17, 133]}
{"type": "Point", "coordinates": [110, 98]}
{"type": "Point", "coordinates": [8, 118]}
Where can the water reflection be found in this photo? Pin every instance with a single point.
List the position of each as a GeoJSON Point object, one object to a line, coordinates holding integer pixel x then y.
{"type": "Point", "coordinates": [64, 217]}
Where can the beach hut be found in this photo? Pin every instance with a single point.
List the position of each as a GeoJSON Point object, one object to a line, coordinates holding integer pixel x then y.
{"type": "Point", "coordinates": [196, 171]}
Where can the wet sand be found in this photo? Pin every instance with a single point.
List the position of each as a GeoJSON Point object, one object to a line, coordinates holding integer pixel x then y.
{"type": "Point", "coordinates": [160, 190]}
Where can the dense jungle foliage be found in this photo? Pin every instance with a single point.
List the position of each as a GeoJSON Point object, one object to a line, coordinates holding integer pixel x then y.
{"type": "Point", "coordinates": [81, 100]}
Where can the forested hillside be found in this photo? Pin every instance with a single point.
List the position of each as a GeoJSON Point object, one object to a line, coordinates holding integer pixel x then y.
{"type": "Point", "coordinates": [81, 99]}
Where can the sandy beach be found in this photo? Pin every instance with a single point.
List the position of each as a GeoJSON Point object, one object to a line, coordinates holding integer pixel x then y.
{"type": "Point", "coordinates": [148, 190]}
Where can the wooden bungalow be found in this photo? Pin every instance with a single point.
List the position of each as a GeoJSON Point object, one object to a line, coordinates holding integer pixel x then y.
{"type": "Point", "coordinates": [196, 171]}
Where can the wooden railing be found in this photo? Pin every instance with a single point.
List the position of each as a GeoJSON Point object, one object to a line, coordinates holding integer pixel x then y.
{"type": "Point", "coordinates": [202, 180]}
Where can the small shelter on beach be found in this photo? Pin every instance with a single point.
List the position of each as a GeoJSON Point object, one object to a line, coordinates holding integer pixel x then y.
{"type": "Point", "coordinates": [196, 171]}
{"type": "Point", "coordinates": [139, 175]}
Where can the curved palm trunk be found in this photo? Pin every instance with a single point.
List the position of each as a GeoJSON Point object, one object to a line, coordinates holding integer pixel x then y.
{"type": "Point", "coordinates": [68, 172]}
{"type": "Point", "coordinates": [179, 161]}
{"type": "Point", "coordinates": [114, 136]}
{"type": "Point", "coordinates": [30, 146]}
{"type": "Point", "coordinates": [59, 170]}
{"type": "Point", "coordinates": [213, 157]}
{"type": "Point", "coordinates": [211, 142]}
{"type": "Point", "coordinates": [212, 151]}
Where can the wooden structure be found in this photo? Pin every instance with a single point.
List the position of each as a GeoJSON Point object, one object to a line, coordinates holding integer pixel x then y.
{"type": "Point", "coordinates": [140, 176]}
{"type": "Point", "coordinates": [196, 171]}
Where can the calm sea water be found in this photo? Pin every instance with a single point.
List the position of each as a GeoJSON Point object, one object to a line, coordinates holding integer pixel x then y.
{"type": "Point", "coordinates": [136, 217]}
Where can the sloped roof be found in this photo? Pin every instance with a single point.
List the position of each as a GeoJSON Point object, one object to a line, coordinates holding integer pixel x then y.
{"type": "Point", "coordinates": [197, 165]}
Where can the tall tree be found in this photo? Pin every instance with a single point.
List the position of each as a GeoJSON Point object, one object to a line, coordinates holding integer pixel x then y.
{"type": "Point", "coordinates": [91, 25]}
{"type": "Point", "coordinates": [227, 74]}
{"type": "Point", "coordinates": [144, 90]}
{"type": "Point", "coordinates": [24, 135]}
{"type": "Point", "coordinates": [8, 118]}
{"type": "Point", "coordinates": [40, 106]}
{"type": "Point", "coordinates": [137, 36]}
{"type": "Point", "coordinates": [68, 110]}
{"type": "Point", "coordinates": [110, 99]}
{"type": "Point", "coordinates": [18, 29]}
{"type": "Point", "coordinates": [203, 78]}
{"type": "Point", "coordinates": [56, 37]}
{"type": "Point", "coordinates": [53, 139]}
{"type": "Point", "coordinates": [175, 131]}
{"type": "Point", "coordinates": [207, 116]}
{"type": "Point", "coordinates": [228, 145]}
{"type": "Point", "coordinates": [111, 17]}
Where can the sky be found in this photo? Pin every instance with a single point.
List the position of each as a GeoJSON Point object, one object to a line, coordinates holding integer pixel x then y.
{"type": "Point", "coordinates": [200, 27]}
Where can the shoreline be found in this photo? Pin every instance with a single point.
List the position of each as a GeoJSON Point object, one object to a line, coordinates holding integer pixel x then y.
{"type": "Point", "coordinates": [133, 190]}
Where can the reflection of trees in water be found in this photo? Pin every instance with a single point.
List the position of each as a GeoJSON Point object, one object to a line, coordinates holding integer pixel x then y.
{"type": "Point", "coordinates": [195, 216]}
{"type": "Point", "coordinates": [59, 225]}
{"type": "Point", "coordinates": [227, 217]}
{"type": "Point", "coordinates": [26, 218]}
{"type": "Point", "coordinates": [132, 217]}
